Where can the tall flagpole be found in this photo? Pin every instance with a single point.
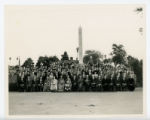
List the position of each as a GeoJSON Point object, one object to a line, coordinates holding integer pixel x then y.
{"type": "Point", "coordinates": [80, 46]}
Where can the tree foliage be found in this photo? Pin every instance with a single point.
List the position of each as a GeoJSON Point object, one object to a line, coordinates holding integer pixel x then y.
{"type": "Point", "coordinates": [92, 56]}
{"type": "Point", "coordinates": [28, 63]}
{"type": "Point", "coordinates": [137, 66]}
{"type": "Point", "coordinates": [107, 60]}
{"type": "Point", "coordinates": [118, 54]}
{"type": "Point", "coordinates": [46, 61]}
{"type": "Point", "coordinates": [65, 56]}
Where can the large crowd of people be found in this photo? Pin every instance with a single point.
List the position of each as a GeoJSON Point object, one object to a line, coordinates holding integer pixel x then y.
{"type": "Point", "coordinates": [61, 76]}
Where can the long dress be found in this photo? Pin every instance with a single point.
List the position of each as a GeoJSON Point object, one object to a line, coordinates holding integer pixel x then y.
{"type": "Point", "coordinates": [54, 85]}
{"type": "Point", "coordinates": [61, 85]}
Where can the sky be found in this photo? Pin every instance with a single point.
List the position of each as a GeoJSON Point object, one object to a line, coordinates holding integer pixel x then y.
{"type": "Point", "coordinates": [39, 30]}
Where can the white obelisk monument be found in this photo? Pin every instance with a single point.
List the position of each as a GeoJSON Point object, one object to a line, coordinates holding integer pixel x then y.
{"type": "Point", "coordinates": [80, 46]}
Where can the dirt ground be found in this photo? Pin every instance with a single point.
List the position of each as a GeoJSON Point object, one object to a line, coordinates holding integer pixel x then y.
{"type": "Point", "coordinates": [76, 103]}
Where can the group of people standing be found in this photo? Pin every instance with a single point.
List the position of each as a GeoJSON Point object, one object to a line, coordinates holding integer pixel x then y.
{"type": "Point", "coordinates": [59, 77]}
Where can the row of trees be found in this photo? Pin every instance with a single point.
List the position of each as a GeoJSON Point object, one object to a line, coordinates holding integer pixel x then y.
{"type": "Point", "coordinates": [45, 60]}
{"type": "Point", "coordinates": [118, 56]}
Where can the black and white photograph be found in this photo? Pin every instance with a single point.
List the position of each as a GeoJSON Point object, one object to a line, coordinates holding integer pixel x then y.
{"type": "Point", "coordinates": [75, 59]}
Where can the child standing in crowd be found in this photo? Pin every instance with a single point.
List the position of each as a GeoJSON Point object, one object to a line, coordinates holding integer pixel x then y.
{"type": "Point", "coordinates": [68, 84]}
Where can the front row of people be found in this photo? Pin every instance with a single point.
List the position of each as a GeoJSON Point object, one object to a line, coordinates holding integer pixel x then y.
{"type": "Point", "coordinates": [114, 82]}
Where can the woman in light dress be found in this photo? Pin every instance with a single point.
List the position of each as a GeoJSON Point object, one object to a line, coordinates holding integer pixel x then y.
{"type": "Point", "coordinates": [61, 84]}
{"type": "Point", "coordinates": [54, 84]}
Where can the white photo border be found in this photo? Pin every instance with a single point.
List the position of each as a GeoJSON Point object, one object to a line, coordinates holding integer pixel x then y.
{"type": "Point", "coordinates": [45, 2]}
